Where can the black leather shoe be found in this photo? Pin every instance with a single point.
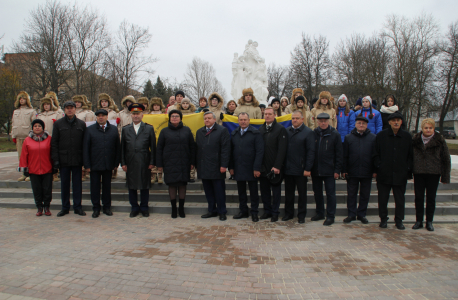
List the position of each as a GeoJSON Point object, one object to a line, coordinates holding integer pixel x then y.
{"type": "Point", "coordinates": [145, 213]}
{"type": "Point", "coordinates": [301, 221]}
{"type": "Point", "coordinates": [265, 216]}
{"type": "Point", "coordinates": [383, 224]}
{"type": "Point", "coordinates": [62, 213]}
{"type": "Point", "coordinates": [222, 217]}
{"type": "Point", "coordinates": [209, 215]}
{"type": "Point", "coordinates": [317, 218]}
{"type": "Point", "coordinates": [287, 218]}
{"type": "Point", "coordinates": [241, 215]}
{"type": "Point", "coordinates": [274, 219]}
{"type": "Point", "coordinates": [417, 225]}
{"type": "Point", "coordinates": [349, 219]}
{"type": "Point", "coordinates": [363, 220]}
{"type": "Point", "coordinates": [96, 214]}
{"type": "Point", "coordinates": [107, 212]}
{"type": "Point", "coordinates": [429, 226]}
{"type": "Point", "coordinates": [328, 222]}
{"type": "Point", "coordinates": [400, 226]}
{"type": "Point", "coordinates": [80, 212]}
{"type": "Point", "coordinates": [254, 218]}
{"type": "Point", "coordinates": [133, 214]}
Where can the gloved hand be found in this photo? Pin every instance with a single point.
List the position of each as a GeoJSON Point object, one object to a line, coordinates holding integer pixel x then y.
{"type": "Point", "coordinates": [14, 140]}
{"type": "Point", "coordinates": [205, 110]}
{"type": "Point", "coordinates": [118, 120]}
{"type": "Point", "coordinates": [221, 116]}
{"type": "Point", "coordinates": [56, 165]}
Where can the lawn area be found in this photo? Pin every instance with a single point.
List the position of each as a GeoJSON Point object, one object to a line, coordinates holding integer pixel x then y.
{"type": "Point", "coordinates": [6, 146]}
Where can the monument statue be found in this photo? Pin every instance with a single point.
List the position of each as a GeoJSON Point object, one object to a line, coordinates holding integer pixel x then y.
{"type": "Point", "coordinates": [249, 71]}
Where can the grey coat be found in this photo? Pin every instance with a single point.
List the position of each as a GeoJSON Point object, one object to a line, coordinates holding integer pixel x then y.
{"type": "Point", "coordinates": [138, 151]}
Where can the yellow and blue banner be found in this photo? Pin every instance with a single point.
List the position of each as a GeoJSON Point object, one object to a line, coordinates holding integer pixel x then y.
{"type": "Point", "coordinates": [232, 122]}
{"type": "Point", "coordinates": [193, 121]}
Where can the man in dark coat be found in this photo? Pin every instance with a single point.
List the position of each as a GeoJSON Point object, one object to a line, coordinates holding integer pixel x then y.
{"type": "Point", "coordinates": [247, 150]}
{"type": "Point", "coordinates": [275, 145]}
{"type": "Point", "coordinates": [213, 154]}
{"type": "Point", "coordinates": [326, 168]}
{"type": "Point", "coordinates": [67, 155]}
{"type": "Point", "coordinates": [101, 153]}
{"type": "Point", "coordinates": [298, 166]}
{"type": "Point", "coordinates": [358, 153]}
{"type": "Point", "coordinates": [393, 164]}
{"type": "Point", "coordinates": [138, 157]}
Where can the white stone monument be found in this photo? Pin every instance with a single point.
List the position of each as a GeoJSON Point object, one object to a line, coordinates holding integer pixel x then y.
{"type": "Point", "coordinates": [249, 71]}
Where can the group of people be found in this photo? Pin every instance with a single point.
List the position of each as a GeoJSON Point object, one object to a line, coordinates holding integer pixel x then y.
{"type": "Point", "coordinates": [324, 143]}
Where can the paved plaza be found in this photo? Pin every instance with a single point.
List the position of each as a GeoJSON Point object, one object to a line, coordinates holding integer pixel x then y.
{"type": "Point", "coordinates": [117, 257]}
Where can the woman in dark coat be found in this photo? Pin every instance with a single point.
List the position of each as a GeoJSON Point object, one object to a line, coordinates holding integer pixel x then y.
{"type": "Point", "coordinates": [431, 162]}
{"type": "Point", "coordinates": [176, 157]}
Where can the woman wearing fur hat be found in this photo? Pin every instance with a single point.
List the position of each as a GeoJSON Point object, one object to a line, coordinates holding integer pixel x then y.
{"type": "Point", "coordinates": [125, 115]}
{"type": "Point", "coordinates": [21, 122]}
{"type": "Point", "coordinates": [284, 103]}
{"type": "Point", "coordinates": [55, 103]}
{"type": "Point", "coordinates": [296, 93]}
{"type": "Point", "coordinates": [82, 110]}
{"type": "Point", "coordinates": [324, 105]}
{"type": "Point", "coordinates": [230, 107]}
{"type": "Point", "coordinates": [389, 106]}
{"type": "Point", "coordinates": [145, 102]}
{"type": "Point", "coordinates": [35, 160]}
{"type": "Point", "coordinates": [345, 117]}
{"type": "Point", "coordinates": [248, 103]}
{"type": "Point", "coordinates": [375, 119]}
{"type": "Point", "coordinates": [156, 106]}
{"type": "Point", "coordinates": [216, 106]}
{"type": "Point", "coordinates": [431, 164]}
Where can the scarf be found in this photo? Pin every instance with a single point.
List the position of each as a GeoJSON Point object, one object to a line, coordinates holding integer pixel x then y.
{"type": "Point", "coordinates": [389, 110]}
{"type": "Point", "coordinates": [38, 138]}
{"type": "Point", "coordinates": [426, 139]}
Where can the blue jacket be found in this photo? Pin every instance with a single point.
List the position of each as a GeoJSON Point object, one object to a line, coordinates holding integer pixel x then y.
{"type": "Point", "coordinates": [345, 123]}
{"type": "Point", "coordinates": [375, 124]}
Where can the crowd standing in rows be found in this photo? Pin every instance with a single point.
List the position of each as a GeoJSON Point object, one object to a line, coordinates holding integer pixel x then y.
{"type": "Point", "coordinates": [328, 142]}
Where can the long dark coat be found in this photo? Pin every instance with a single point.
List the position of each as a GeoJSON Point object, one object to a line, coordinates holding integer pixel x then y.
{"type": "Point", "coordinates": [358, 153]}
{"type": "Point", "coordinates": [393, 159]}
{"type": "Point", "coordinates": [213, 152]}
{"type": "Point", "coordinates": [301, 151]}
{"type": "Point", "coordinates": [67, 142]}
{"type": "Point", "coordinates": [138, 151]}
{"type": "Point", "coordinates": [176, 151]}
{"type": "Point", "coordinates": [275, 147]}
{"type": "Point", "coordinates": [247, 152]}
{"type": "Point", "coordinates": [328, 152]}
{"type": "Point", "coordinates": [102, 149]}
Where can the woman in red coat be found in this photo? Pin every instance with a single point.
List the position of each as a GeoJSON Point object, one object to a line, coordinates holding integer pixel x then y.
{"type": "Point", "coordinates": [36, 161]}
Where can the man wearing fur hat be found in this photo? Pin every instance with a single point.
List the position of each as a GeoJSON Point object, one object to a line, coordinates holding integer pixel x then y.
{"type": "Point", "coordinates": [55, 103]}
{"type": "Point", "coordinates": [145, 102]}
{"type": "Point", "coordinates": [216, 107]}
{"type": "Point", "coordinates": [106, 103]}
{"type": "Point", "coordinates": [21, 122]}
{"type": "Point", "coordinates": [178, 97]}
{"type": "Point", "coordinates": [248, 103]}
{"type": "Point", "coordinates": [125, 115]}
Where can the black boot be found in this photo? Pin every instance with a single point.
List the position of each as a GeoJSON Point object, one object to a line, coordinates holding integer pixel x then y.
{"type": "Point", "coordinates": [174, 208]}
{"type": "Point", "coordinates": [181, 208]}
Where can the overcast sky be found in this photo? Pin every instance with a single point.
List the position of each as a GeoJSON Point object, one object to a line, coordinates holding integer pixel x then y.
{"type": "Point", "coordinates": [214, 30]}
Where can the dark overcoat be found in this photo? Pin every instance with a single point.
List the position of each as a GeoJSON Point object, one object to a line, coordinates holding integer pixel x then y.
{"type": "Point", "coordinates": [176, 151]}
{"type": "Point", "coordinates": [247, 152]}
{"type": "Point", "coordinates": [138, 151]}
{"type": "Point", "coordinates": [102, 149]}
{"type": "Point", "coordinates": [275, 146]}
{"type": "Point", "coordinates": [301, 150]}
{"type": "Point", "coordinates": [393, 159]}
{"type": "Point", "coordinates": [67, 142]}
{"type": "Point", "coordinates": [328, 152]}
{"type": "Point", "coordinates": [213, 152]}
{"type": "Point", "coordinates": [358, 152]}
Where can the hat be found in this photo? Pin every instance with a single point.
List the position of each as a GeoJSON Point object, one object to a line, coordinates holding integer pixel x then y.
{"type": "Point", "coordinates": [359, 102]}
{"type": "Point", "coordinates": [300, 98]}
{"type": "Point", "coordinates": [361, 118]}
{"type": "Point", "coordinates": [136, 107]}
{"type": "Point", "coordinates": [343, 97]}
{"type": "Point", "coordinates": [368, 98]}
{"type": "Point", "coordinates": [275, 100]}
{"type": "Point", "coordinates": [262, 105]}
{"type": "Point", "coordinates": [324, 95]}
{"type": "Point", "coordinates": [101, 111]}
{"type": "Point", "coordinates": [179, 93]}
{"type": "Point", "coordinates": [39, 122]}
{"type": "Point", "coordinates": [69, 103]}
{"type": "Point", "coordinates": [395, 115]}
{"type": "Point", "coordinates": [247, 91]}
{"type": "Point", "coordinates": [322, 116]}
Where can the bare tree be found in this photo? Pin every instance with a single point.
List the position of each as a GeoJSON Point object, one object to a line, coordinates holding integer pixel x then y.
{"type": "Point", "coordinates": [279, 80]}
{"type": "Point", "coordinates": [200, 80]}
{"type": "Point", "coordinates": [448, 73]}
{"type": "Point", "coordinates": [87, 41]}
{"type": "Point", "coordinates": [126, 61]}
{"type": "Point", "coordinates": [310, 64]}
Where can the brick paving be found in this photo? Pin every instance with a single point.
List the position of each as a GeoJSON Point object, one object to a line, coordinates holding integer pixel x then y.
{"type": "Point", "coordinates": [117, 257]}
